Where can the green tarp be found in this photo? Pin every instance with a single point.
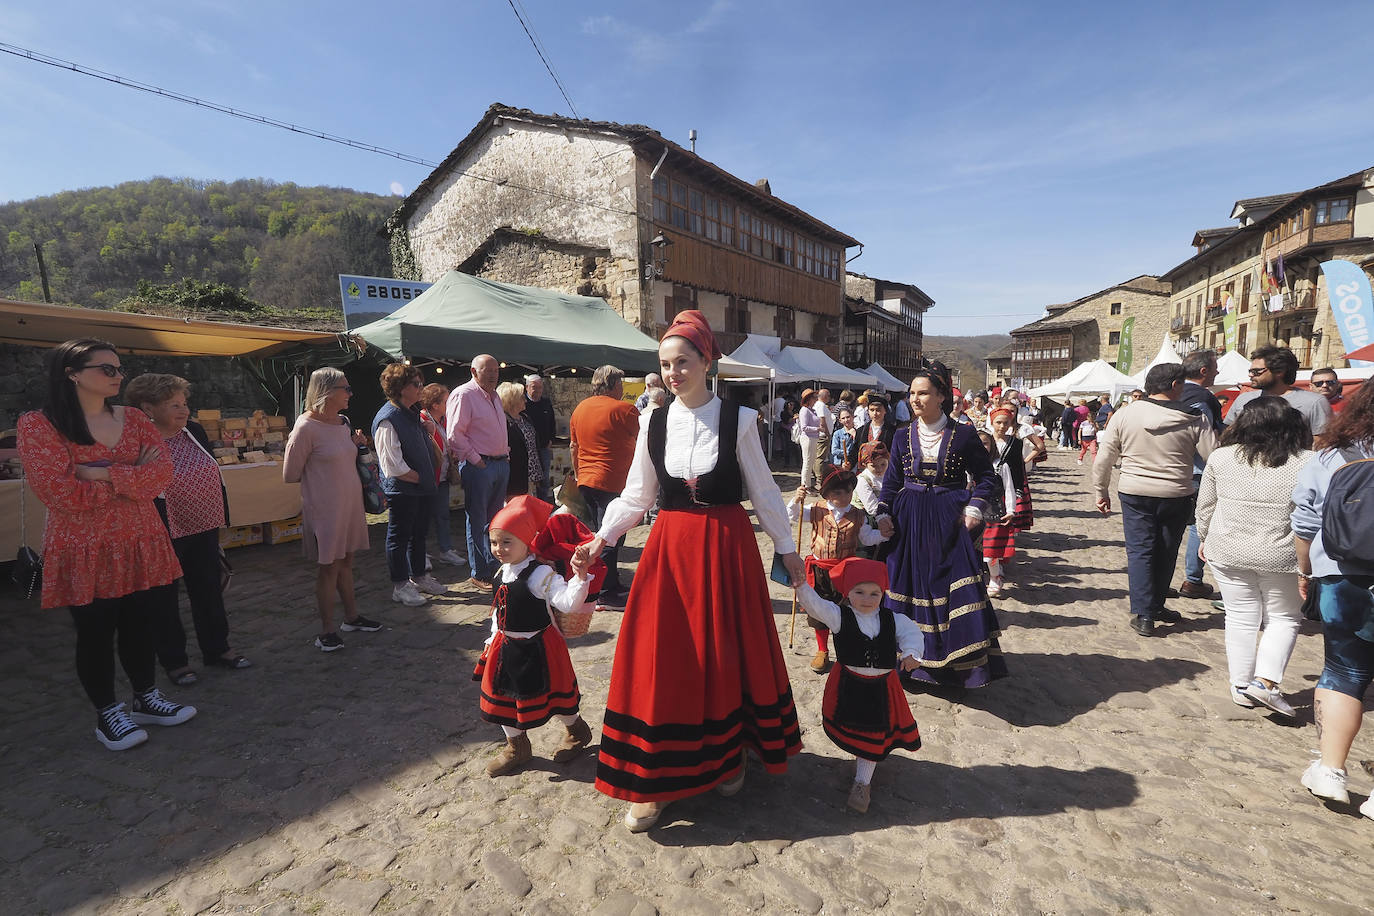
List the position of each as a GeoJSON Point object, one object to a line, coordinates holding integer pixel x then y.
{"type": "Point", "coordinates": [460, 317]}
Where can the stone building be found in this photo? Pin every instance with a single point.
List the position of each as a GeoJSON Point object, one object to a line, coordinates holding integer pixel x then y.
{"type": "Point", "coordinates": [1332, 220]}
{"type": "Point", "coordinates": [617, 211]}
{"type": "Point", "coordinates": [999, 366]}
{"type": "Point", "coordinates": [882, 324]}
{"type": "Point", "coordinates": [1090, 328]}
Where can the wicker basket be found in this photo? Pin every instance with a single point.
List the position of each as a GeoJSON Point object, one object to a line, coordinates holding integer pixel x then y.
{"type": "Point", "coordinates": [575, 623]}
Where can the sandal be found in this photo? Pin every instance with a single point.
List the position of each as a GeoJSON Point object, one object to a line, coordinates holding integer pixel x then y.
{"type": "Point", "coordinates": [238, 662]}
{"type": "Point", "coordinates": [183, 677]}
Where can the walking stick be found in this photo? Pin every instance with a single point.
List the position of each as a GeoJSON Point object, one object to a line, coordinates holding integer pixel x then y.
{"type": "Point", "coordinates": [792, 628]}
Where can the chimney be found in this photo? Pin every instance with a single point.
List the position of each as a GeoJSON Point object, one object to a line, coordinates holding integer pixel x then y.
{"type": "Point", "coordinates": [762, 185]}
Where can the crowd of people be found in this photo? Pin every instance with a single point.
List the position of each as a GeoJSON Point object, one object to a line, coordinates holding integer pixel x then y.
{"type": "Point", "coordinates": [919, 500]}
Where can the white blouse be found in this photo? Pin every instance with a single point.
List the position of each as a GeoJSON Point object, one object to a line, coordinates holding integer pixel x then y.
{"type": "Point", "coordinates": [564, 594]}
{"type": "Point", "coordinates": [867, 489]}
{"type": "Point", "coordinates": [910, 642]}
{"type": "Point", "coordinates": [692, 445]}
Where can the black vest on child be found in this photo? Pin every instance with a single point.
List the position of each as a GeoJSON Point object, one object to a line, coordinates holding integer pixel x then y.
{"type": "Point", "coordinates": [518, 609]}
{"type": "Point", "coordinates": [720, 486]}
{"type": "Point", "coordinates": [855, 649]}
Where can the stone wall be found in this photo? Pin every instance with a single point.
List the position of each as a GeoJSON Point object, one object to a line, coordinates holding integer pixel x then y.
{"type": "Point", "coordinates": [511, 256]}
{"type": "Point", "coordinates": [216, 382]}
{"type": "Point", "coordinates": [1092, 340]}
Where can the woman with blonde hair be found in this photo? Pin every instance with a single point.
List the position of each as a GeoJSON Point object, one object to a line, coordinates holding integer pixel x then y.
{"type": "Point", "coordinates": [525, 472]}
{"type": "Point", "coordinates": [322, 456]}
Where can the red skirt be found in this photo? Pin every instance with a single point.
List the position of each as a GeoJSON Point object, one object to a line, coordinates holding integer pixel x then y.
{"type": "Point", "coordinates": [999, 541]}
{"type": "Point", "coordinates": [863, 739]}
{"type": "Point", "coordinates": [698, 674]}
{"type": "Point", "coordinates": [561, 698]}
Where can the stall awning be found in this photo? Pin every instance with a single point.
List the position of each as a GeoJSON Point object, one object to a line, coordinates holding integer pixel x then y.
{"type": "Point", "coordinates": [807, 362]}
{"type": "Point", "coordinates": [887, 379]}
{"type": "Point", "coordinates": [461, 317]}
{"type": "Point", "coordinates": [38, 324]}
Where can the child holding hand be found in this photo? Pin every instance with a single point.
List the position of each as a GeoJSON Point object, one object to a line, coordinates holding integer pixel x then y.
{"type": "Point", "coordinates": [838, 529]}
{"type": "Point", "coordinates": [526, 673]}
{"type": "Point", "coordinates": [865, 711]}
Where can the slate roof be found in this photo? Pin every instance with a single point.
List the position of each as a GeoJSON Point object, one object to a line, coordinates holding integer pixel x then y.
{"type": "Point", "coordinates": [645, 140]}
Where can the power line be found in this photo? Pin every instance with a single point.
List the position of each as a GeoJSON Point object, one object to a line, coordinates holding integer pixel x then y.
{"type": "Point", "coordinates": [57, 62]}
{"type": "Point", "coordinates": [547, 66]}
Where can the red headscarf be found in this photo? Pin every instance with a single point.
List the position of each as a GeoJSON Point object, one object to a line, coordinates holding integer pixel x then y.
{"type": "Point", "coordinates": [524, 517]}
{"type": "Point", "coordinates": [846, 574]}
{"type": "Point", "coordinates": [692, 326]}
{"type": "Point", "coordinates": [1006, 410]}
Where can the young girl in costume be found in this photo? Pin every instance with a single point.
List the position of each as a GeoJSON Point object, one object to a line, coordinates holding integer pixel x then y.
{"type": "Point", "coordinates": [527, 676]}
{"type": "Point", "coordinates": [865, 711]}
{"type": "Point", "coordinates": [873, 457]}
{"type": "Point", "coordinates": [838, 529]}
{"type": "Point", "coordinates": [1008, 459]}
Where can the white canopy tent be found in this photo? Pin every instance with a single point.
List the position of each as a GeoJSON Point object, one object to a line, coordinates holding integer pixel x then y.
{"type": "Point", "coordinates": [749, 354]}
{"type": "Point", "coordinates": [808, 363]}
{"type": "Point", "coordinates": [1096, 377]}
{"type": "Point", "coordinates": [1232, 369]}
{"type": "Point", "coordinates": [1166, 354]}
{"type": "Point", "coordinates": [886, 379]}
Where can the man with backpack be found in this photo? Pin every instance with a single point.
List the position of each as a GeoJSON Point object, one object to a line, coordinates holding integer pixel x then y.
{"type": "Point", "coordinates": [1333, 515]}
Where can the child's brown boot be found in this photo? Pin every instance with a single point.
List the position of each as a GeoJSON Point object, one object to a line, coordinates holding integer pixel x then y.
{"type": "Point", "coordinates": [578, 736]}
{"type": "Point", "coordinates": [512, 757]}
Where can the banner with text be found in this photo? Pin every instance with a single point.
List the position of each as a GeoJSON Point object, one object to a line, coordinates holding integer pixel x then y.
{"type": "Point", "coordinates": [365, 299]}
{"type": "Point", "coordinates": [1228, 321]}
{"type": "Point", "coordinates": [1347, 288]}
{"type": "Point", "coordinates": [1124, 352]}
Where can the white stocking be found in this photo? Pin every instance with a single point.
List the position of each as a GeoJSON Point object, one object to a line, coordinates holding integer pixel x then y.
{"type": "Point", "coordinates": [568, 721]}
{"type": "Point", "coordinates": [995, 568]}
{"type": "Point", "coordinates": [863, 771]}
{"type": "Point", "coordinates": [512, 732]}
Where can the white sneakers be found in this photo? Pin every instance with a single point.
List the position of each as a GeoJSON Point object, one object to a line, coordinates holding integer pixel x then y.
{"type": "Point", "coordinates": [1327, 782]}
{"type": "Point", "coordinates": [429, 585]}
{"type": "Point", "coordinates": [1270, 697]}
{"type": "Point", "coordinates": [406, 593]}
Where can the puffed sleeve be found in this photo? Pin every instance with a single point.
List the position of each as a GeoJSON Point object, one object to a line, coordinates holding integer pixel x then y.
{"type": "Point", "coordinates": [763, 490]}
{"type": "Point", "coordinates": [49, 470]}
{"type": "Point", "coordinates": [564, 594]}
{"type": "Point", "coordinates": [143, 481]}
{"type": "Point", "coordinates": [827, 612]}
{"type": "Point", "coordinates": [909, 639]}
{"type": "Point", "coordinates": [641, 488]}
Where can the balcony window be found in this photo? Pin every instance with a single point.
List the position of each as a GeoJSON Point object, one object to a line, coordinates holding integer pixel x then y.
{"type": "Point", "coordinates": [1333, 211]}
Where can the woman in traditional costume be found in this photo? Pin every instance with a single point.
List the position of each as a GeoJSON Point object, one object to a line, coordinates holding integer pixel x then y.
{"type": "Point", "coordinates": [698, 678]}
{"type": "Point", "coordinates": [934, 493]}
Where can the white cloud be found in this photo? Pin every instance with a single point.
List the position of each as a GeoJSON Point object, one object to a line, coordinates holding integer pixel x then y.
{"type": "Point", "coordinates": [711, 18]}
{"type": "Point", "coordinates": [398, 189]}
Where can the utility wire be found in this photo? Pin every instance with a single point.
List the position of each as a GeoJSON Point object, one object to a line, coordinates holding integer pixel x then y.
{"type": "Point", "coordinates": [57, 62]}
{"type": "Point", "coordinates": [40, 57]}
{"type": "Point", "coordinates": [547, 65]}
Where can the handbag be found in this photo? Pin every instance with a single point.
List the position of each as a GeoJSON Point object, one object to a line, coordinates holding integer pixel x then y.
{"type": "Point", "coordinates": [370, 475]}
{"type": "Point", "coordinates": [1311, 605]}
{"type": "Point", "coordinates": [28, 565]}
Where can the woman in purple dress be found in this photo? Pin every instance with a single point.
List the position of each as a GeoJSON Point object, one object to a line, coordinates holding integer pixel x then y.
{"type": "Point", "coordinates": [933, 496]}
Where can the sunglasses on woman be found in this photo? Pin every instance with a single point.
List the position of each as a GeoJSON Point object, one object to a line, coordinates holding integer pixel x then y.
{"type": "Point", "coordinates": [109, 369]}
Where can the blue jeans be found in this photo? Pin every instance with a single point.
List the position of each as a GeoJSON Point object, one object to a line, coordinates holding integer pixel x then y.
{"type": "Point", "coordinates": [1192, 563]}
{"type": "Point", "coordinates": [1153, 527]}
{"type": "Point", "coordinates": [443, 530]}
{"type": "Point", "coordinates": [1347, 609]}
{"type": "Point", "coordinates": [597, 501]}
{"type": "Point", "coordinates": [484, 493]}
{"type": "Point", "coordinates": [546, 465]}
{"type": "Point", "coordinates": [407, 522]}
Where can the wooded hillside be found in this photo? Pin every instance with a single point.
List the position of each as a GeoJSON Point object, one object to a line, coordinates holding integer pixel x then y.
{"type": "Point", "coordinates": [282, 244]}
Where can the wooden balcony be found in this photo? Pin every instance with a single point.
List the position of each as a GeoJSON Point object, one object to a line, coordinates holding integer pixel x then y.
{"type": "Point", "coordinates": [1182, 323]}
{"type": "Point", "coordinates": [1327, 232]}
{"type": "Point", "coordinates": [694, 261]}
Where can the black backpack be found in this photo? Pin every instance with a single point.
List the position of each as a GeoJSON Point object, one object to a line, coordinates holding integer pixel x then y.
{"type": "Point", "coordinates": [1348, 514]}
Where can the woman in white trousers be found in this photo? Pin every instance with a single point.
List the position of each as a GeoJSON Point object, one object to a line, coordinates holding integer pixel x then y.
{"type": "Point", "coordinates": [1243, 511]}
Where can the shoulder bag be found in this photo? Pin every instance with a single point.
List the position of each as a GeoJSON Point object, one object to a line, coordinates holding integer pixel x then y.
{"type": "Point", "coordinates": [28, 564]}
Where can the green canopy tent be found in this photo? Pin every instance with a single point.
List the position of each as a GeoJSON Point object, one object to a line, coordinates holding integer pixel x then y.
{"type": "Point", "coordinates": [461, 316]}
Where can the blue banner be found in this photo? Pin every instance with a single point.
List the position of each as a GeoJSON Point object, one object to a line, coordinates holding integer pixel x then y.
{"type": "Point", "coordinates": [366, 299]}
{"type": "Point", "coordinates": [1352, 303]}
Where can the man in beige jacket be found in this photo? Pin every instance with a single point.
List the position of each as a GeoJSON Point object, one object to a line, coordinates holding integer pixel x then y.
{"type": "Point", "coordinates": [1156, 440]}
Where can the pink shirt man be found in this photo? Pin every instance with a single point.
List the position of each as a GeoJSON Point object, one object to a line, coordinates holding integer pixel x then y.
{"type": "Point", "coordinates": [476, 424]}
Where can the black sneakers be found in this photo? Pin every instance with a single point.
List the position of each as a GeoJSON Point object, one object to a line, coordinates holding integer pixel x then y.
{"type": "Point", "coordinates": [152, 708]}
{"type": "Point", "coordinates": [328, 642]}
{"type": "Point", "coordinates": [115, 730]}
{"type": "Point", "coordinates": [359, 623]}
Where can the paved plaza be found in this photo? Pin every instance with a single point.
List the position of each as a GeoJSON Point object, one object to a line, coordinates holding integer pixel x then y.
{"type": "Point", "coordinates": [1108, 774]}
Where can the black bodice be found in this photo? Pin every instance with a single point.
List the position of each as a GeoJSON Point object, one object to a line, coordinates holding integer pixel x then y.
{"type": "Point", "coordinates": [720, 486]}
{"type": "Point", "coordinates": [855, 649]}
{"type": "Point", "coordinates": [519, 610]}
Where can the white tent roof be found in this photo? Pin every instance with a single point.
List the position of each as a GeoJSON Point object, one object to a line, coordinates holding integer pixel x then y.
{"type": "Point", "coordinates": [885, 378]}
{"type": "Point", "coordinates": [1096, 377]}
{"type": "Point", "coordinates": [748, 361]}
{"type": "Point", "coordinates": [808, 363]}
{"type": "Point", "coordinates": [1166, 354]}
{"type": "Point", "coordinates": [1232, 369]}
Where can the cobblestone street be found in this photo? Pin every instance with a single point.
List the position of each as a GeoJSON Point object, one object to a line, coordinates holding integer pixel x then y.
{"type": "Point", "coordinates": [1109, 773]}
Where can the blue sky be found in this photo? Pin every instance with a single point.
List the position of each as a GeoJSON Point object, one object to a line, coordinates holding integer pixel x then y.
{"type": "Point", "coordinates": [1001, 156]}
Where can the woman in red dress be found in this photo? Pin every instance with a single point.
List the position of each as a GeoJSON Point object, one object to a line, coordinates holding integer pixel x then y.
{"type": "Point", "coordinates": [97, 468]}
{"type": "Point", "coordinates": [698, 677]}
